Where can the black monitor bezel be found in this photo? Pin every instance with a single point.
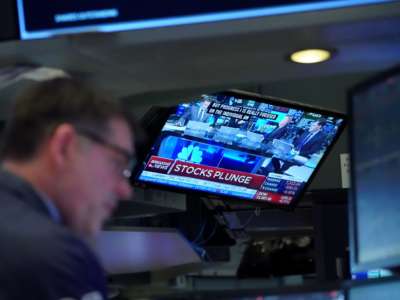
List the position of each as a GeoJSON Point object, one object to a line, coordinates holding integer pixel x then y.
{"type": "Point", "coordinates": [259, 98]}
{"type": "Point", "coordinates": [356, 265]}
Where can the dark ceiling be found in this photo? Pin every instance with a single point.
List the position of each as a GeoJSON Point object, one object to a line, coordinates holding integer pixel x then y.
{"type": "Point", "coordinates": [202, 57]}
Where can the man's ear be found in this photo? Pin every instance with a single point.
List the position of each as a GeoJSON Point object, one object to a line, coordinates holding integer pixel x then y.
{"type": "Point", "coordinates": [62, 144]}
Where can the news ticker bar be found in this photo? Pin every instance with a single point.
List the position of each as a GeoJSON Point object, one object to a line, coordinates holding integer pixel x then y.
{"type": "Point", "coordinates": [218, 188]}
{"type": "Point", "coordinates": [198, 184]}
{"type": "Point", "coordinates": [273, 188]}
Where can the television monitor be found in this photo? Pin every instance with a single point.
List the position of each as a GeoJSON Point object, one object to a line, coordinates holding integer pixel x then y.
{"type": "Point", "coordinates": [240, 145]}
{"type": "Point", "coordinates": [52, 18]}
{"type": "Point", "coordinates": [375, 169]}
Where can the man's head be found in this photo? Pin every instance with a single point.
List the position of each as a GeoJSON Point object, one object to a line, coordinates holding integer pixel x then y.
{"type": "Point", "coordinates": [317, 125]}
{"type": "Point", "coordinates": [74, 146]}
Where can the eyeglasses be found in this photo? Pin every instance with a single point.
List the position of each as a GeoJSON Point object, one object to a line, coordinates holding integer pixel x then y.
{"type": "Point", "coordinates": [126, 172]}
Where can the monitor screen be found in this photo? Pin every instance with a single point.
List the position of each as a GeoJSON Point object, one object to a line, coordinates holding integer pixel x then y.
{"type": "Point", "coordinates": [64, 17]}
{"type": "Point", "coordinates": [375, 156]}
{"type": "Point", "coordinates": [242, 145]}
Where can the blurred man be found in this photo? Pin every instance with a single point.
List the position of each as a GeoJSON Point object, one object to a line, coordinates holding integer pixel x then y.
{"type": "Point", "coordinates": [66, 161]}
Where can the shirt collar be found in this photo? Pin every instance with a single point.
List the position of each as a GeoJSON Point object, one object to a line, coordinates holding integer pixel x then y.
{"type": "Point", "coordinates": [53, 210]}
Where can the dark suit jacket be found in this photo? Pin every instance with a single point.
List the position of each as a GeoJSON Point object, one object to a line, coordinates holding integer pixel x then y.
{"type": "Point", "coordinates": [39, 258]}
{"type": "Point", "coordinates": [278, 133]}
{"type": "Point", "coordinates": [313, 145]}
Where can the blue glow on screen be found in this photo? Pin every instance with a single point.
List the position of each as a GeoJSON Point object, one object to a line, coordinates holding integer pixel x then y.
{"type": "Point", "coordinates": [190, 19]}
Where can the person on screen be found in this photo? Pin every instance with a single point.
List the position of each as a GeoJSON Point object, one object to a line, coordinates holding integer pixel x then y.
{"type": "Point", "coordinates": [282, 131]}
{"type": "Point", "coordinates": [311, 141]}
{"type": "Point", "coordinates": [196, 112]}
{"type": "Point", "coordinates": [308, 143]}
{"type": "Point", "coordinates": [66, 159]}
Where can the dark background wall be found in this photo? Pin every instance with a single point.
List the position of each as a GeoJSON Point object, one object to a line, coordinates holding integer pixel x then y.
{"type": "Point", "coordinates": [8, 20]}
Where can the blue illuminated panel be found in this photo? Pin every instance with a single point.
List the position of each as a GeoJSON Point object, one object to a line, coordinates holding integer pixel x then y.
{"type": "Point", "coordinates": [65, 17]}
{"type": "Point", "coordinates": [375, 158]}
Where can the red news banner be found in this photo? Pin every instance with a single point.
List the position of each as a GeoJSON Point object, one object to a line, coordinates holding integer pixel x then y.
{"type": "Point", "coordinates": [182, 168]}
{"type": "Point", "coordinates": [186, 169]}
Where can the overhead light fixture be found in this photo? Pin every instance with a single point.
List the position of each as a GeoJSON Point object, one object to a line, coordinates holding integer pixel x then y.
{"type": "Point", "coordinates": [310, 56]}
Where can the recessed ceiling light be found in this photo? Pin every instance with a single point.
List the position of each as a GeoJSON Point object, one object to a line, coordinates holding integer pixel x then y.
{"type": "Point", "coordinates": [310, 56]}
